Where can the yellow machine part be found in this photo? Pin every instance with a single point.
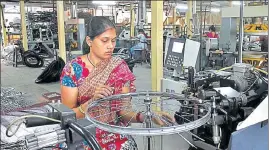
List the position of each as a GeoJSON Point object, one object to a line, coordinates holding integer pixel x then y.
{"type": "Point", "coordinates": [255, 28]}
{"type": "Point", "coordinates": [14, 37]}
{"type": "Point", "coordinates": [257, 62]}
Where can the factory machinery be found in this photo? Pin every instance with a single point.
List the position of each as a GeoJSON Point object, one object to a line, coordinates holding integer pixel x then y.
{"type": "Point", "coordinates": [233, 95]}
{"type": "Point", "coordinates": [209, 109]}
{"type": "Point", "coordinates": [68, 130]}
{"type": "Point", "coordinates": [42, 32]}
{"type": "Point", "coordinates": [223, 52]}
{"type": "Point", "coordinates": [208, 106]}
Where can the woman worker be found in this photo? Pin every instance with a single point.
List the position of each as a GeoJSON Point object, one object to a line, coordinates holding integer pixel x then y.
{"type": "Point", "coordinates": [142, 44]}
{"type": "Point", "coordinates": [212, 32]}
{"type": "Point", "coordinates": [97, 75]}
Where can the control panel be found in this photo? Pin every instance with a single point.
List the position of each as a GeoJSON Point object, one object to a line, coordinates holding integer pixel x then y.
{"type": "Point", "coordinates": [175, 54]}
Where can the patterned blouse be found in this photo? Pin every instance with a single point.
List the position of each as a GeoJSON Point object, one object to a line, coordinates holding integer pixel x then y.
{"type": "Point", "coordinates": [75, 72]}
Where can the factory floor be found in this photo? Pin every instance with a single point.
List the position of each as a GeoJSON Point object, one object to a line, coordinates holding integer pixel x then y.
{"type": "Point", "coordinates": [23, 78]}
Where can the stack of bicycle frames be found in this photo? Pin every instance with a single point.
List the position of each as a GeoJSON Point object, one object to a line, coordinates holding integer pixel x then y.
{"type": "Point", "coordinates": [52, 72]}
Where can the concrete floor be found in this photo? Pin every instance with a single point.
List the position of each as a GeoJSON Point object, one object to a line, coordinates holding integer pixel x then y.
{"type": "Point", "coordinates": [23, 78]}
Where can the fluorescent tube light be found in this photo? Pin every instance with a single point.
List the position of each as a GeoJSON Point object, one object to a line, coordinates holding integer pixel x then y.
{"type": "Point", "coordinates": [237, 3]}
{"type": "Point", "coordinates": [215, 10]}
{"type": "Point", "coordinates": [104, 2]}
{"type": "Point", "coordinates": [182, 6]}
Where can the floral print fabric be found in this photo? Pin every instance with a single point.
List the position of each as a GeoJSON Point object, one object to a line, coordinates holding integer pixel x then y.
{"type": "Point", "coordinates": [75, 74]}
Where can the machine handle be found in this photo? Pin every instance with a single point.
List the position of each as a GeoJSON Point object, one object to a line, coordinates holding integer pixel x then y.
{"type": "Point", "coordinates": [87, 136]}
{"type": "Point", "coordinates": [34, 122]}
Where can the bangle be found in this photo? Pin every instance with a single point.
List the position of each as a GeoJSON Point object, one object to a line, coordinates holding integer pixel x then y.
{"type": "Point", "coordinates": [138, 117]}
{"type": "Point", "coordinates": [81, 110]}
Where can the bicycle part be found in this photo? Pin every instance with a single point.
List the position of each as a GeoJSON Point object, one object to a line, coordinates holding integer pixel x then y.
{"type": "Point", "coordinates": [28, 57]}
{"type": "Point", "coordinates": [103, 113]}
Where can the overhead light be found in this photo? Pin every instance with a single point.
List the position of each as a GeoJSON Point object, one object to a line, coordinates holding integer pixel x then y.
{"type": "Point", "coordinates": [104, 7]}
{"type": "Point", "coordinates": [104, 2]}
{"type": "Point", "coordinates": [237, 2]}
{"type": "Point", "coordinates": [215, 10]}
{"type": "Point", "coordinates": [182, 6]}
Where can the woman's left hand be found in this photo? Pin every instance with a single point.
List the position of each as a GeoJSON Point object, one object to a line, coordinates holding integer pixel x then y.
{"type": "Point", "coordinates": [158, 115]}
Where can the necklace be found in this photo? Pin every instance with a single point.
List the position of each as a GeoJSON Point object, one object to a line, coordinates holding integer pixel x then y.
{"type": "Point", "coordinates": [90, 61]}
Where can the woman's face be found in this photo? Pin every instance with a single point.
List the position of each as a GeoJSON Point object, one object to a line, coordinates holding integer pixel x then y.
{"type": "Point", "coordinates": [103, 45]}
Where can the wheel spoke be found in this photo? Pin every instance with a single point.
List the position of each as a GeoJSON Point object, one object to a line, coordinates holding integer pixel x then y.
{"type": "Point", "coordinates": [187, 115]}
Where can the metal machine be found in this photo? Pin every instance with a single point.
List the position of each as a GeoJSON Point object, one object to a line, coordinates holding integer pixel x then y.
{"type": "Point", "coordinates": [233, 97]}
{"type": "Point", "coordinates": [68, 133]}
{"type": "Point", "coordinates": [256, 29]}
{"type": "Point", "coordinates": [220, 52]}
{"type": "Point", "coordinates": [73, 132]}
{"type": "Point", "coordinates": [209, 110]}
{"type": "Point", "coordinates": [42, 42]}
{"type": "Point", "coordinates": [176, 52]}
{"type": "Point", "coordinates": [225, 51]}
{"type": "Point", "coordinates": [42, 32]}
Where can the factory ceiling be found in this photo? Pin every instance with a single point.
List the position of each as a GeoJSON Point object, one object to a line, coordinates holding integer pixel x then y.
{"type": "Point", "coordinates": [119, 3]}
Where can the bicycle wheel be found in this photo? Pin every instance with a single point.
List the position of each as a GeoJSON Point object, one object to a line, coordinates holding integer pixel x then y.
{"type": "Point", "coordinates": [104, 113]}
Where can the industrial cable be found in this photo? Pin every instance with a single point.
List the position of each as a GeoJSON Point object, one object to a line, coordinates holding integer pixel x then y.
{"type": "Point", "coordinates": [251, 85]}
{"type": "Point", "coordinates": [261, 77]}
{"type": "Point", "coordinates": [55, 147]}
{"type": "Point", "coordinates": [260, 70]}
{"type": "Point", "coordinates": [226, 68]}
{"type": "Point", "coordinates": [22, 121]}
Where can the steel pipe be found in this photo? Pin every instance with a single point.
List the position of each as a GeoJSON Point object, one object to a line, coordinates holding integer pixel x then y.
{"type": "Point", "coordinates": [201, 35]}
{"type": "Point", "coordinates": [241, 32]}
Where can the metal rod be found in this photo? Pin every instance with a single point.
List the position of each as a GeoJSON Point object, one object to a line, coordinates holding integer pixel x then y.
{"type": "Point", "coordinates": [196, 136]}
{"type": "Point", "coordinates": [241, 32]}
{"type": "Point", "coordinates": [201, 35]}
{"type": "Point", "coordinates": [148, 116]}
{"type": "Point", "coordinates": [149, 143]}
{"type": "Point", "coordinates": [148, 125]}
{"type": "Point", "coordinates": [187, 141]}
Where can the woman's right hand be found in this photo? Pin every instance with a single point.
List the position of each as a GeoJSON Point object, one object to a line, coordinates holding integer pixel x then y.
{"type": "Point", "coordinates": [102, 92]}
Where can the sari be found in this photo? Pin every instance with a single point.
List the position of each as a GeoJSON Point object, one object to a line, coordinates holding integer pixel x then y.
{"type": "Point", "coordinates": [113, 72]}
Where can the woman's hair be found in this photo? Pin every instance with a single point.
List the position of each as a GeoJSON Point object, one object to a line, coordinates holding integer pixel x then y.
{"type": "Point", "coordinates": [212, 28]}
{"type": "Point", "coordinates": [96, 26]}
{"type": "Point", "coordinates": [140, 31]}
